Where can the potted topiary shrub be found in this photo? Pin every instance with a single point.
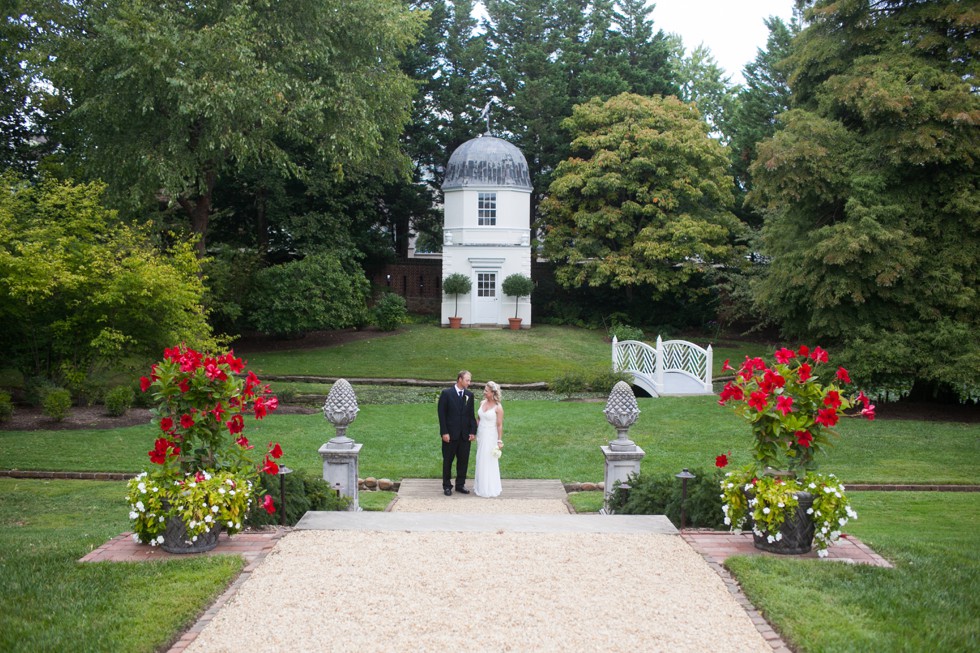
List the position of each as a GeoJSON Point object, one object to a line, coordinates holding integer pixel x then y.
{"type": "Point", "coordinates": [456, 284]}
{"type": "Point", "coordinates": [517, 286]}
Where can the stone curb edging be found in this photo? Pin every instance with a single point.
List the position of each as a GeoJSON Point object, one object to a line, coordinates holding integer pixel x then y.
{"type": "Point", "coordinates": [85, 476]}
{"type": "Point", "coordinates": [294, 378]}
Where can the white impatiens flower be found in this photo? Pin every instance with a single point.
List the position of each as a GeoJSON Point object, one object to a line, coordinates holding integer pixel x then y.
{"type": "Point", "coordinates": [809, 511]}
{"type": "Point", "coordinates": [142, 488]}
{"type": "Point", "coordinates": [160, 539]}
{"type": "Point", "coordinates": [766, 511]}
{"type": "Point", "coordinates": [231, 525]}
{"type": "Point", "coordinates": [842, 521]}
{"type": "Point", "coordinates": [221, 490]}
{"type": "Point", "coordinates": [208, 519]}
{"type": "Point", "coordinates": [828, 490]}
{"type": "Point", "coordinates": [238, 525]}
{"type": "Point", "coordinates": [140, 507]}
{"type": "Point", "coordinates": [214, 508]}
{"type": "Point", "coordinates": [770, 539]}
{"type": "Point", "coordinates": [194, 539]}
{"type": "Point", "coordinates": [730, 486]}
{"type": "Point", "coordinates": [161, 518]}
{"type": "Point", "coordinates": [728, 522]}
{"type": "Point", "coordinates": [813, 486]}
{"type": "Point", "coordinates": [133, 514]}
{"type": "Point", "coordinates": [136, 538]}
{"type": "Point", "coordinates": [781, 504]}
{"type": "Point", "coordinates": [779, 536]}
{"type": "Point", "coordinates": [822, 553]}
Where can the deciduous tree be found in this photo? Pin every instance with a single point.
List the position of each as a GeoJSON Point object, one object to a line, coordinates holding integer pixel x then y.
{"type": "Point", "coordinates": [643, 202]}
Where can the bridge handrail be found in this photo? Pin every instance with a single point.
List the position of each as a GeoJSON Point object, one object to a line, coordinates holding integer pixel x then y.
{"type": "Point", "coordinates": [699, 371]}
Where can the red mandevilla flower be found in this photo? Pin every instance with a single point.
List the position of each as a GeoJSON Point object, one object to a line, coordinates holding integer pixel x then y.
{"type": "Point", "coordinates": [166, 424]}
{"type": "Point", "coordinates": [784, 355]}
{"type": "Point", "coordinates": [784, 405]}
{"type": "Point", "coordinates": [758, 401]}
{"type": "Point", "coordinates": [804, 439]}
{"type": "Point", "coordinates": [184, 385]}
{"type": "Point", "coordinates": [843, 375]}
{"type": "Point", "coordinates": [268, 504]}
{"type": "Point", "coordinates": [270, 467]}
{"type": "Point", "coordinates": [243, 443]}
{"type": "Point", "coordinates": [236, 365]}
{"type": "Point", "coordinates": [721, 461]}
{"type": "Point", "coordinates": [832, 399]}
{"type": "Point", "coordinates": [275, 450]}
{"type": "Point", "coordinates": [259, 408]}
{"type": "Point", "coordinates": [827, 417]}
{"type": "Point", "coordinates": [145, 384]}
{"type": "Point", "coordinates": [770, 381]}
{"type": "Point", "coordinates": [235, 425]}
{"type": "Point", "coordinates": [819, 355]}
{"type": "Point", "coordinates": [804, 372]}
{"type": "Point", "coordinates": [725, 366]}
{"type": "Point", "coordinates": [803, 351]}
{"type": "Point", "coordinates": [186, 421]}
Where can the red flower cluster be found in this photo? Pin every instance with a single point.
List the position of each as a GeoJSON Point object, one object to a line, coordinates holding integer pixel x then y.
{"type": "Point", "coordinates": [787, 405]}
{"type": "Point", "coordinates": [163, 449]}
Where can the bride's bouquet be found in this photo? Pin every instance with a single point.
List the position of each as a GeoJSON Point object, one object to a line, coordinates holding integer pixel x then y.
{"type": "Point", "coordinates": [497, 452]}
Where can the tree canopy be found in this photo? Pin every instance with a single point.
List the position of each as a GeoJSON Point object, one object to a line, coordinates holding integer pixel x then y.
{"type": "Point", "coordinates": [164, 97]}
{"type": "Point", "coordinates": [872, 211]}
{"type": "Point", "coordinates": [644, 200]}
{"type": "Point", "coordinates": [79, 288]}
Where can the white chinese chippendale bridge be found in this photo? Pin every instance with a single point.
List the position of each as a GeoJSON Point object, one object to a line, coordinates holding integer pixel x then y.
{"type": "Point", "coordinates": [674, 367]}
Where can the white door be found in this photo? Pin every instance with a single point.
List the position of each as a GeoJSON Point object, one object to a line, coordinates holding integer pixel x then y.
{"type": "Point", "coordinates": [486, 308]}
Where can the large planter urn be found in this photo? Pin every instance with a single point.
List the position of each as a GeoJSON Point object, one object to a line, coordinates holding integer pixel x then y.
{"type": "Point", "coordinates": [454, 322]}
{"type": "Point", "coordinates": [176, 539]}
{"type": "Point", "coordinates": [797, 530]}
{"type": "Point", "coordinates": [515, 323]}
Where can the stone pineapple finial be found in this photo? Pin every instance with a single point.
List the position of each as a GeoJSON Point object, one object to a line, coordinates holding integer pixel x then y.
{"type": "Point", "coordinates": [340, 409]}
{"type": "Point", "coordinates": [621, 412]}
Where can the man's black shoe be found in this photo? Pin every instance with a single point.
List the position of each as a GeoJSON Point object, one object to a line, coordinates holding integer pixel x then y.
{"type": "Point", "coordinates": [462, 490]}
{"type": "Point", "coordinates": [448, 492]}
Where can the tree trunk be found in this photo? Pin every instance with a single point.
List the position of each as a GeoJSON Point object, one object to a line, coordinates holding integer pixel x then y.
{"type": "Point", "coordinates": [198, 209]}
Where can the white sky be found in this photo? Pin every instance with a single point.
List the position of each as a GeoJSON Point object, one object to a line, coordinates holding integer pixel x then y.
{"type": "Point", "coordinates": [732, 29]}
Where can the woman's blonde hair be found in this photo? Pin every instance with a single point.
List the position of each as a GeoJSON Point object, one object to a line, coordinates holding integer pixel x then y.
{"type": "Point", "coordinates": [494, 390]}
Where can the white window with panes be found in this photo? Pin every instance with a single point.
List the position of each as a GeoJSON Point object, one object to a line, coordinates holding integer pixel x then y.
{"type": "Point", "coordinates": [487, 209]}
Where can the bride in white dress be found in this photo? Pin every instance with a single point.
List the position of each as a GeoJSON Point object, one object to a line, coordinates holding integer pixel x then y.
{"type": "Point", "coordinates": [489, 440]}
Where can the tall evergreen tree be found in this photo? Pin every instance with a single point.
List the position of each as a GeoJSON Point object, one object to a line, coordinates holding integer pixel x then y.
{"type": "Point", "coordinates": [871, 192]}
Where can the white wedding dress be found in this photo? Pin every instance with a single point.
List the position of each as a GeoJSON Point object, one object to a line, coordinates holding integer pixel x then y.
{"type": "Point", "coordinates": [486, 478]}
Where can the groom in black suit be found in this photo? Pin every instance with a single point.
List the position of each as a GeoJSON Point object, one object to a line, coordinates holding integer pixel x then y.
{"type": "Point", "coordinates": [457, 424]}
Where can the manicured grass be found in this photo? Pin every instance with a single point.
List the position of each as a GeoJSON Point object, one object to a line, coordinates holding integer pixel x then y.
{"type": "Point", "coordinates": [432, 353]}
{"type": "Point", "coordinates": [543, 439]}
{"type": "Point", "coordinates": [929, 602]}
{"type": "Point", "coordinates": [50, 602]}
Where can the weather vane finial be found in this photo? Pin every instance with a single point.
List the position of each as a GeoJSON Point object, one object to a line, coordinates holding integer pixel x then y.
{"type": "Point", "coordinates": [485, 114]}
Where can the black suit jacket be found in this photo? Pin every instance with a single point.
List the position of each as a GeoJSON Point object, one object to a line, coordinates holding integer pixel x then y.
{"type": "Point", "coordinates": [457, 417]}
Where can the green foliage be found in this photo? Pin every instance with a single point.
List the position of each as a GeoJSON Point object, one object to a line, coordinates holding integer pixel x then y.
{"type": "Point", "coordinates": [872, 228]}
{"type": "Point", "coordinates": [6, 406]}
{"type": "Point", "coordinates": [119, 400]}
{"type": "Point", "coordinates": [625, 332]}
{"type": "Point", "coordinates": [304, 492]}
{"type": "Point", "coordinates": [79, 288]}
{"type": "Point", "coordinates": [517, 286]}
{"type": "Point", "coordinates": [704, 84]}
{"type": "Point", "coordinates": [166, 97]}
{"type": "Point", "coordinates": [598, 380]}
{"type": "Point", "coordinates": [314, 293]}
{"type": "Point", "coordinates": [662, 494]}
{"type": "Point", "coordinates": [390, 312]}
{"type": "Point", "coordinates": [456, 284]}
{"type": "Point", "coordinates": [56, 403]}
{"type": "Point", "coordinates": [644, 202]}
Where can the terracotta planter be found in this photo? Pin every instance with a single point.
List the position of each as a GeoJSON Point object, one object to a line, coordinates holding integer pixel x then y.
{"type": "Point", "coordinates": [454, 322]}
{"type": "Point", "coordinates": [515, 323]}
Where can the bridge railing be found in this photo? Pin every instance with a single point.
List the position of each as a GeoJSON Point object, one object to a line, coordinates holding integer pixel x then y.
{"type": "Point", "coordinates": [672, 367]}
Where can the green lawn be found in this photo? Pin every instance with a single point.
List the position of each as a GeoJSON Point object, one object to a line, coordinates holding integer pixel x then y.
{"type": "Point", "coordinates": [544, 439]}
{"type": "Point", "coordinates": [431, 353]}
{"type": "Point", "coordinates": [929, 602]}
{"type": "Point", "coordinates": [50, 602]}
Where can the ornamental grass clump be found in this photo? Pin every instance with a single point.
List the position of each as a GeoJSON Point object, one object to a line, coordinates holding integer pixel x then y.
{"type": "Point", "coordinates": [791, 407]}
{"type": "Point", "coordinates": [205, 470]}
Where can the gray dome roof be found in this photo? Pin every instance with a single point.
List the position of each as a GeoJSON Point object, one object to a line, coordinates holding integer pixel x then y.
{"type": "Point", "coordinates": [487, 161]}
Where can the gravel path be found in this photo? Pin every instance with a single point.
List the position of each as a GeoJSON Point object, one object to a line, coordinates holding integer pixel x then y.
{"type": "Point", "coordinates": [359, 590]}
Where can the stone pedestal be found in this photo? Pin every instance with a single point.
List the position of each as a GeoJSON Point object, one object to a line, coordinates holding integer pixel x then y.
{"type": "Point", "coordinates": [340, 467]}
{"type": "Point", "coordinates": [619, 466]}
